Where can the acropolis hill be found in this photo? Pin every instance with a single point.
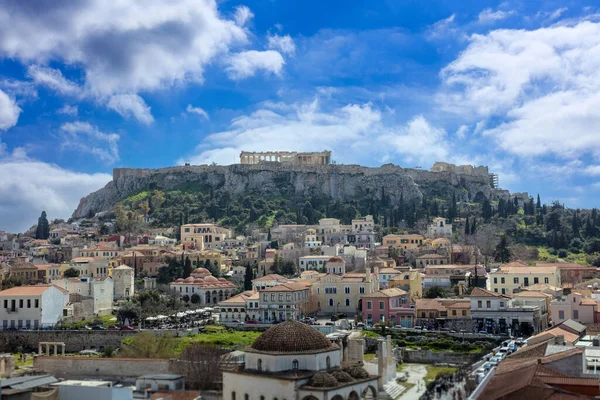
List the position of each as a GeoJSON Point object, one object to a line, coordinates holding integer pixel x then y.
{"type": "Point", "coordinates": [301, 176]}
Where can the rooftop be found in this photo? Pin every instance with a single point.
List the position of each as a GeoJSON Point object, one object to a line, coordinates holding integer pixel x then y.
{"type": "Point", "coordinates": [292, 337]}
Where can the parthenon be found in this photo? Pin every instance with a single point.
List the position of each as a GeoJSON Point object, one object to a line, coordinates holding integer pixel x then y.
{"type": "Point", "coordinates": [291, 157]}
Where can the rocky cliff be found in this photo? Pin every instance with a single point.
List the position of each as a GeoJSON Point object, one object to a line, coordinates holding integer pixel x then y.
{"type": "Point", "coordinates": [342, 182]}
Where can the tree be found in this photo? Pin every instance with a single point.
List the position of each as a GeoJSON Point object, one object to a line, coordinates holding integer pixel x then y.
{"type": "Point", "coordinates": [502, 253]}
{"type": "Point", "coordinates": [42, 230]}
{"type": "Point", "coordinates": [71, 273]}
{"type": "Point", "coordinates": [202, 365]}
{"type": "Point", "coordinates": [186, 298]}
{"type": "Point", "coordinates": [195, 298]}
{"type": "Point", "coordinates": [121, 220]}
{"type": "Point", "coordinates": [434, 292]}
{"type": "Point", "coordinates": [467, 227]}
{"type": "Point", "coordinates": [485, 239]}
{"type": "Point", "coordinates": [538, 204]}
{"type": "Point", "coordinates": [474, 226]}
{"type": "Point", "coordinates": [187, 268]}
{"type": "Point", "coordinates": [248, 276]}
{"type": "Point", "coordinates": [130, 310]}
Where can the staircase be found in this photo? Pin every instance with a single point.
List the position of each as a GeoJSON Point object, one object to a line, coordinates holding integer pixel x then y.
{"type": "Point", "coordinates": [392, 389]}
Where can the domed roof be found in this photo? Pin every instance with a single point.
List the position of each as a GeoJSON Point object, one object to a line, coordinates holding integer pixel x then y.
{"type": "Point", "coordinates": [199, 271]}
{"type": "Point", "coordinates": [322, 379]}
{"type": "Point", "coordinates": [211, 279]}
{"type": "Point", "coordinates": [223, 280]}
{"type": "Point", "coordinates": [198, 280]}
{"type": "Point", "coordinates": [189, 279]}
{"type": "Point", "coordinates": [335, 259]}
{"type": "Point", "coordinates": [342, 376]}
{"type": "Point", "coordinates": [179, 280]}
{"type": "Point", "coordinates": [355, 371]}
{"type": "Point", "coordinates": [291, 337]}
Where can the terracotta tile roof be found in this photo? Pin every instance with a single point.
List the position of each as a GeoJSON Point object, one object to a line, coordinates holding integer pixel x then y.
{"type": "Point", "coordinates": [532, 294]}
{"type": "Point", "coordinates": [459, 304]}
{"type": "Point", "coordinates": [33, 290]}
{"type": "Point", "coordinates": [479, 292]}
{"type": "Point", "coordinates": [533, 351]}
{"type": "Point", "coordinates": [589, 302]}
{"type": "Point", "coordinates": [175, 395]}
{"type": "Point", "coordinates": [429, 304]}
{"type": "Point", "coordinates": [526, 269]}
{"type": "Point", "coordinates": [393, 292]}
{"type": "Point", "coordinates": [270, 277]}
{"type": "Point", "coordinates": [570, 337]}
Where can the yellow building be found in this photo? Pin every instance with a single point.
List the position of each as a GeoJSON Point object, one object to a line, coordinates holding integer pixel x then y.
{"type": "Point", "coordinates": [510, 277]}
{"type": "Point", "coordinates": [404, 242]}
{"type": "Point", "coordinates": [342, 293]}
{"type": "Point", "coordinates": [409, 281]}
{"type": "Point", "coordinates": [205, 236]}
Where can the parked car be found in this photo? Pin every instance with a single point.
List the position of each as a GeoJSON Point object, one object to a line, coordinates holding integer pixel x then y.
{"type": "Point", "coordinates": [114, 328]}
{"type": "Point", "coordinates": [252, 322]}
{"type": "Point", "coordinates": [483, 332]}
{"type": "Point", "coordinates": [520, 341]}
{"type": "Point", "coordinates": [512, 346]}
{"type": "Point", "coordinates": [85, 328]}
{"type": "Point", "coordinates": [98, 328]}
{"type": "Point", "coordinates": [418, 327]}
{"type": "Point", "coordinates": [88, 353]}
{"type": "Point", "coordinates": [494, 361]}
{"type": "Point", "coordinates": [334, 318]}
{"type": "Point", "coordinates": [329, 323]}
{"type": "Point", "coordinates": [486, 366]}
{"type": "Point", "coordinates": [360, 325]}
{"type": "Point", "coordinates": [127, 328]}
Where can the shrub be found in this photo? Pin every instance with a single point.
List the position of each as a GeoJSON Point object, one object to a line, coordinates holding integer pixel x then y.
{"type": "Point", "coordinates": [563, 253]}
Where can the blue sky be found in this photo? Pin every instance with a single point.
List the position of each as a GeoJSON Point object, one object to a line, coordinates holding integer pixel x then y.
{"type": "Point", "coordinates": [91, 85]}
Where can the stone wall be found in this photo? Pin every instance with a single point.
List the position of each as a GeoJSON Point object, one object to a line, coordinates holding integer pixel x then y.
{"type": "Point", "coordinates": [438, 357]}
{"type": "Point", "coordinates": [116, 369]}
{"type": "Point", "coordinates": [75, 341]}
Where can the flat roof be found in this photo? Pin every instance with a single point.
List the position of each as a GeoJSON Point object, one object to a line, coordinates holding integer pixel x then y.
{"type": "Point", "coordinates": [161, 376]}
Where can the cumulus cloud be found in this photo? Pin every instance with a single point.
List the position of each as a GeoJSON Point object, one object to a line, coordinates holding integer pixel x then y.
{"type": "Point", "coordinates": [68, 110]}
{"type": "Point", "coordinates": [27, 187]}
{"type": "Point", "coordinates": [285, 44]}
{"type": "Point", "coordinates": [53, 79]}
{"type": "Point", "coordinates": [123, 47]}
{"type": "Point", "coordinates": [489, 16]}
{"type": "Point", "coordinates": [83, 137]}
{"type": "Point", "coordinates": [9, 111]}
{"type": "Point", "coordinates": [131, 106]}
{"type": "Point", "coordinates": [197, 110]}
{"type": "Point", "coordinates": [441, 28]}
{"type": "Point", "coordinates": [247, 63]}
{"type": "Point", "coordinates": [542, 85]}
{"type": "Point", "coordinates": [355, 132]}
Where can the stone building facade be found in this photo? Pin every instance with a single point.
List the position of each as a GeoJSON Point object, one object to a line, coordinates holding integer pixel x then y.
{"type": "Point", "coordinates": [291, 157]}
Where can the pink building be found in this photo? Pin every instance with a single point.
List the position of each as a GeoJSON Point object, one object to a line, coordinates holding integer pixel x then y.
{"type": "Point", "coordinates": [388, 305]}
{"type": "Point", "coordinates": [575, 307]}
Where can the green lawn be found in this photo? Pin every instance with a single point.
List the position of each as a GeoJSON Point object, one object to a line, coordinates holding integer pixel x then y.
{"type": "Point", "coordinates": [370, 357]}
{"type": "Point", "coordinates": [221, 336]}
{"type": "Point", "coordinates": [433, 371]}
{"type": "Point", "coordinates": [21, 364]}
{"type": "Point", "coordinates": [370, 334]}
{"type": "Point", "coordinates": [105, 321]}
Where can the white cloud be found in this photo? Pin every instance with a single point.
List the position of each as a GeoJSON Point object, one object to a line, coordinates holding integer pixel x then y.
{"type": "Point", "coordinates": [53, 79]}
{"type": "Point", "coordinates": [557, 13]}
{"type": "Point", "coordinates": [592, 170]}
{"type": "Point", "coordinates": [197, 110]}
{"type": "Point", "coordinates": [488, 15]}
{"type": "Point", "coordinates": [354, 132]}
{"type": "Point", "coordinates": [543, 85]}
{"type": "Point", "coordinates": [441, 28]}
{"type": "Point", "coordinates": [28, 187]}
{"type": "Point", "coordinates": [131, 105]}
{"type": "Point", "coordinates": [285, 44]}
{"type": "Point", "coordinates": [242, 15]}
{"type": "Point", "coordinates": [9, 111]}
{"type": "Point", "coordinates": [247, 63]}
{"type": "Point", "coordinates": [68, 110]}
{"type": "Point", "coordinates": [83, 137]}
{"type": "Point", "coordinates": [462, 131]}
{"type": "Point", "coordinates": [122, 46]}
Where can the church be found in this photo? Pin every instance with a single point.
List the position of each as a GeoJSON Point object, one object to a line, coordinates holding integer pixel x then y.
{"type": "Point", "coordinates": [294, 361]}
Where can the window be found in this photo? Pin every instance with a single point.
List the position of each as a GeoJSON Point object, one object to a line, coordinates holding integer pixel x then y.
{"type": "Point", "coordinates": [488, 304]}
{"type": "Point", "coordinates": [295, 366]}
{"type": "Point", "coordinates": [575, 314]}
{"type": "Point", "coordinates": [347, 302]}
{"type": "Point", "coordinates": [347, 290]}
{"type": "Point", "coordinates": [495, 280]}
{"type": "Point", "coordinates": [453, 312]}
{"type": "Point", "coordinates": [369, 305]}
{"type": "Point", "coordinates": [361, 290]}
{"type": "Point", "coordinates": [501, 304]}
{"type": "Point", "coordinates": [546, 280]}
{"type": "Point", "coordinates": [478, 303]}
{"type": "Point", "coordinates": [526, 281]}
{"type": "Point", "coordinates": [381, 305]}
{"type": "Point", "coordinates": [328, 362]}
{"type": "Point", "coordinates": [330, 302]}
{"type": "Point", "coordinates": [20, 303]}
{"type": "Point", "coordinates": [536, 280]}
{"type": "Point", "coordinates": [5, 303]}
{"type": "Point", "coordinates": [496, 290]}
{"type": "Point", "coordinates": [232, 395]}
{"type": "Point", "coordinates": [503, 291]}
{"type": "Point", "coordinates": [516, 280]}
{"type": "Point", "coordinates": [464, 313]}
{"type": "Point", "coordinates": [246, 397]}
{"type": "Point", "coordinates": [574, 299]}
{"type": "Point", "coordinates": [502, 280]}
{"type": "Point", "coordinates": [561, 314]}
{"type": "Point", "coordinates": [37, 303]}
{"type": "Point", "coordinates": [259, 365]}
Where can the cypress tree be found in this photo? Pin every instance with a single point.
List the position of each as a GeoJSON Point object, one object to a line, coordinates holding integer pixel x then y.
{"type": "Point", "coordinates": [43, 227]}
{"type": "Point", "coordinates": [467, 227]}
{"type": "Point", "coordinates": [539, 203]}
{"type": "Point", "coordinates": [474, 226]}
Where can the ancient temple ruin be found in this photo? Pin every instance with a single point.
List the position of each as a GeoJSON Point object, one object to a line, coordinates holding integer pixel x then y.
{"type": "Point", "coordinates": [290, 157]}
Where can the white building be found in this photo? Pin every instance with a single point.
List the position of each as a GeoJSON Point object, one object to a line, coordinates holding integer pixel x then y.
{"type": "Point", "coordinates": [267, 281]}
{"type": "Point", "coordinates": [123, 277]}
{"type": "Point", "coordinates": [100, 289]}
{"type": "Point", "coordinates": [32, 307]}
{"type": "Point", "coordinates": [294, 361]}
{"type": "Point", "coordinates": [439, 228]}
{"type": "Point", "coordinates": [363, 233]}
{"type": "Point", "coordinates": [162, 241]}
{"type": "Point", "coordinates": [90, 266]}
{"type": "Point", "coordinates": [310, 238]}
{"type": "Point", "coordinates": [210, 290]}
{"type": "Point", "coordinates": [285, 302]}
{"type": "Point", "coordinates": [316, 263]}
{"type": "Point", "coordinates": [241, 307]}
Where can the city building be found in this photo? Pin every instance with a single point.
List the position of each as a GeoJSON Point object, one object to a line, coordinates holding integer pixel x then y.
{"type": "Point", "coordinates": [101, 290]}
{"type": "Point", "coordinates": [342, 293]}
{"type": "Point", "coordinates": [32, 307]}
{"type": "Point", "coordinates": [439, 228]}
{"type": "Point", "coordinates": [209, 289]}
{"type": "Point", "coordinates": [447, 276]}
{"type": "Point", "coordinates": [431, 259]}
{"type": "Point", "coordinates": [409, 281]}
{"type": "Point", "coordinates": [204, 236]}
{"type": "Point", "coordinates": [294, 361]}
{"type": "Point", "coordinates": [388, 305]}
{"type": "Point", "coordinates": [575, 307]}
{"type": "Point", "coordinates": [124, 282]}
{"type": "Point", "coordinates": [403, 242]}
{"type": "Point", "coordinates": [241, 307]}
{"type": "Point", "coordinates": [159, 240]}
{"type": "Point", "coordinates": [288, 301]}
{"type": "Point", "coordinates": [509, 278]}
{"type": "Point", "coordinates": [363, 233]}
{"type": "Point", "coordinates": [286, 157]}
{"type": "Point", "coordinates": [316, 263]}
{"type": "Point", "coordinates": [496, 313]}
{"type": "Point", "coordinates": [268, 281]}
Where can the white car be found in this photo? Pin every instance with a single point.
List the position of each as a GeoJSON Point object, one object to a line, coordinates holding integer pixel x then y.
{"type": "Point", "coordinates": [494, 361]}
